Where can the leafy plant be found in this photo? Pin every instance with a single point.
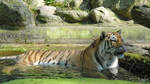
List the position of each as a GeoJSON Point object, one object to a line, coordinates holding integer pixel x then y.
{"type": "Point", "coordinates": [65, 4]}
{"type": "Point", "coordinates": [47, 2]}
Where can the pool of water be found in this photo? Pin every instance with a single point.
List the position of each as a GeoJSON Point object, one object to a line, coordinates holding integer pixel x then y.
{"type": "Point", "coordinates": [43, 72]}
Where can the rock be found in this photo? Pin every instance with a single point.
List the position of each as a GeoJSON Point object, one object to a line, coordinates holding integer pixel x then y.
{"type": "Point", "coordinates": [49, 19]}
{"type": "Point", "coordinates": [59, 1]}
{"type": "Point", "coordinates": [15, 14]}
{"type": "Point", "coordinates": [73, 15]}
{"type": "Point", "coordinates": [62, 3]}
{"type": "Point", "coordinates": [142, 2]}
{"type": "Point", "coordinates": [85, 5]}
{"type": "Point", "coordinates": [46, 10]}
{"type": "Point", "coordinates": [136, 49]}
{"type": "Point", "coordinates": [46, 15]}
{"type": "Point", "coordinates": [69, 3]}
{"type": "Point", "coordinates": [96, 3]}
{"type": "Point", "coordinates": [34, 4]}
{"type": "Point", "coordinates": [103, 15]}
{"type": "Point", "coordinates": [141, 15]}
{"type": "Point", "coordinates": [121, 7]}
{"type": "Point", "coordinates": [75, 3]}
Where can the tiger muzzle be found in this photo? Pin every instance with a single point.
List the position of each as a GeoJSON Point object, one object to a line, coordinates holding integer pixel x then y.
{"type": "Point", "coordinates": [120, 51]}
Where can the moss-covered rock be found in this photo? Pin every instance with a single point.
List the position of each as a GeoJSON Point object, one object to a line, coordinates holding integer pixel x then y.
{"type": "Point", "coordinates": [141, 15]}
{"type": "Point", "coordinates": [121, 7]}
{"type": "Point", "coordinates": [34, 4]}
{"type": "Point", "coordinates": [46, 10]}
{"type": "Point", "coordinates": [96, 3]}
{"type": "Point", "coordinates": [103, 15]}
{"type": "Point", "coordinates": [76, 3]}
{"type": "Point", "coordinates": [73, 15]}
{"type": "Point", "coordinates": [46, 16]}
{"type": "Point", "coordinates": [48, 20]}
{"type": "Point", "coordinates": [142, 2]}
{"type": "Point", "coordinates": [137, 64]}
{"type": "Point", "coordinates": [14, 14]}
{"type": "Point", "coordinates": [136, 49]}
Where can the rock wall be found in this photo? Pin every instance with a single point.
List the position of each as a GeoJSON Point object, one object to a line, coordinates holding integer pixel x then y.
{"type": "Point", "coordinates": [25, 13]}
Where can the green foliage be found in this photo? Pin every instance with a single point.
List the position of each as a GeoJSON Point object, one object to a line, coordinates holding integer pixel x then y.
{"type": "Point", "coordinates": [49, 2]}
{"type": "Point", "coordinates": [69, 81]}
{"type": "Point", "coordinates": [65, 4]}
{"type": "Point", "coordinates": [28, 1]}
{"type": "Point", "coordinates": [9, 51]}
{"type": "Point", "coordinates": [12, 49]}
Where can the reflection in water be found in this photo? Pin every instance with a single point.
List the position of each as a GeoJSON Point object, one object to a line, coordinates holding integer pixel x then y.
{"type": "Point", "coordinates": [10, 53]}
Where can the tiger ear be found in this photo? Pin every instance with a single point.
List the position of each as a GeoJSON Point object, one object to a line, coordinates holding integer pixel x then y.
{"type": "Point", "coordinates": [103, 35]}
{"type": "Point", "coordinates": [119, 31]}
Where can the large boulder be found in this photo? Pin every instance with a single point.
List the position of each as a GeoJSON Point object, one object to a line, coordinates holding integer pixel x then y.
{"type": "Point", "coordinates": [121, 7]}
{"type": "Point", "coordinates": [76, 3]}
{"type": "Point", "coordinates": [73, 15]}
{"type": "Point", "coordinates": [34, 4]}
{"type": "Point", "coordinates": [15, 14]}
{"type": "Point", "coordinates": [49, 19]}
{"type": "Point", "coordinates": [103, 15]}
{"type": "Point", "coordinates": [142, 2]}
{"type": "Point", "coordinates": [46, 10]}
{"type": "Point", "coordinates": [68, 3]}
{"type": "Point", "coordinates": [141, 15]}
{"type": "Point", "coordinates": [96, 3]}
{"type": "Point", "coordinates": [136, 49]}
{"type": "Point", "coordinates": [46, 15]}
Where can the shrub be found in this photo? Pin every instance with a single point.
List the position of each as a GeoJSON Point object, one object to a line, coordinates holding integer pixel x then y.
{"type": "Point", "coordinates": [65, 4]}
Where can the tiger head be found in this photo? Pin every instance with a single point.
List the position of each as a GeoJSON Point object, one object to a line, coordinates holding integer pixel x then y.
{"type": "Point", "coordinates": [114, 43]}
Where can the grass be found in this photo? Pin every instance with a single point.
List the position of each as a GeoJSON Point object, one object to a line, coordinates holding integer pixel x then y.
{"type": "Point", "coordinates": [135, 56]}
{"type": "Point", "coordinates": [64, 4]}
{"type": "Point", "coordinates": [69, 81]}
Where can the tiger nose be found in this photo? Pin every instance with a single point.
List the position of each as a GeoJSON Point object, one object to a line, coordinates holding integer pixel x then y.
{"type": "Point", "coordinates": [122, 49]}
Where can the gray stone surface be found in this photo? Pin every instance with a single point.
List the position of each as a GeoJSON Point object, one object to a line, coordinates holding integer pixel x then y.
{"type": "Point", "coordinates": [76, 3]}
{"type": "Point", "coordinates": [73, 15]}
{"type": "Point", "coordinates": [46, 10]}
{"type": "Point", "coordinates": [46, 16]}
{"type": "Point", "coordinates": [141, 15]}
{"type": "Point", "coordinates": [49, 19]}
{"type": "Point", "coordinates": [121, 7]}
{"type": "Point", "coordinates": [71, 34]}
{"type": "Point", "coordinates": [15, 14]}
{"type": "Point", "coordinates": [96, 3]}
{"type": "Point", "coordinates": [136, 49]}
{"type": "Point", "coordinates": [34, 4]}
{"type": "Point", "coordinates": [103, 15]}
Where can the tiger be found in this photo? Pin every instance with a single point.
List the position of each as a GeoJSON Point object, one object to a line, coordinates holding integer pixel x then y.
{"type": "Point", "coordinates": [102, 54]}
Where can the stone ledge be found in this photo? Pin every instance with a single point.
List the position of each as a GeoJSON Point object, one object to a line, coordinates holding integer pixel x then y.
{"type": "Point", "coordinates": [71, 34]}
